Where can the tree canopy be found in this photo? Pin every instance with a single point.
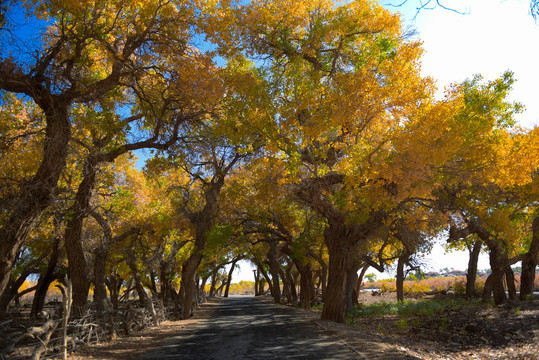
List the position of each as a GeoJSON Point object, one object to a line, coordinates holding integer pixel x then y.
{"type": "Point", "coordinates": [300, 135]}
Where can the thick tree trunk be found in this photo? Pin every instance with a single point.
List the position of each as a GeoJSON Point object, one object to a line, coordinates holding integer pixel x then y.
{"type": "Point", "coordinates": [274, 271]}
{"type": "Point", "coordinates": [339, 247]}
{"type": "Point", "coordinates": [498, 261]}
{"type": "Point", "coordinates": [471, 275]}
{"type": "Point", "coordinates": [510, 280]}
{"type": "Point", "coordinates": [77, 264]}
{"type": "Point", "coordinates": [487, 289]}
{"type": "Point", "coordinates": [529, 264]}
{"type": "Point", "coordinates": [45, 280]}
{"type": "Point", "coordinates": [400, 277]}
{"type": "Point", "coordinates": [261, 286]}
{"type": "Point", "coordinates": [37, 194]}
{"type": "Point", "coordinates": [497, 265]}
{"type": "Point", "coordinates": [100, 288]}
{"type": "Point", "coordinates": [189, 270]}
{"type": "Point", "coordinates": [306, 280]}
{"type": "Point", "coordinates": [229, 278]}
{"type": "Point", "coordinates": [351, 280]}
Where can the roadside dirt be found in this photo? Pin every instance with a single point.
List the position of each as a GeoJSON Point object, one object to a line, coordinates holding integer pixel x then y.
{"type": "Point", "coordinates": [476, 331]}
{"type": "Point", "coordinates": [132, 346]}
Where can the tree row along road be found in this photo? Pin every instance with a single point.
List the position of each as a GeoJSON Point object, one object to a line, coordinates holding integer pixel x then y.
{"type": "Point", "coordinates": [250, 328]}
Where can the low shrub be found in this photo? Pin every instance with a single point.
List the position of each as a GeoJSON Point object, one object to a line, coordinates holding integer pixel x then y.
{"type": "Point", "coordinates": [423, 307]}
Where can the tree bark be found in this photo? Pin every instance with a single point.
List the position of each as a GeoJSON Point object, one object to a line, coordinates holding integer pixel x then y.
{"type": "Point", "coordinates": [229, 278]}
{"type": "Point", "coordinates": [400, 277]}
{"type": "Point", "coordinates": [114, 284]}
{"type": "Point", "coordinates": [291, 282]}
{"type": "Point", "coordinates": [77, 264]}
{"type": "Point", "coordinates": [471, 275]}
{"type": "Point", "coordinates": [287, 291]}
{"type": "Point", "coordinates": [351, 280]}
{"type": "Point", "coordinates": [339, 248]}
{"type": "Point", "coordinates": [360, 278]}
{"type": "Point", "coordinates": [139, 287]}
{"type": "Point", "coordinates": [189, 270]}
{"type": "Point", "coordinates": [213, 281]}
{"type": "Point", "coordinates": [529, 264]}
{"type": "Point", "coordinates": [274, 271]}
{"type": "Point", "coordinates": [257, 279]}
{"type": "Point", "coordinates": [37, 194]}
{"type": "Point", "coordinates": [510, 280]}
{"type": "Point", "coordinates": [12, 290]}
{"type": "Point", "coordinates": [497, 265]}
{"type": "Point", "coordinates": [306, 285]}
{"type": "Point", "coordinates": [100, 272]}
{"type": "Point", "coordinates": [261, 286]}
{"type": "Point", "coordinates": [45, 280]}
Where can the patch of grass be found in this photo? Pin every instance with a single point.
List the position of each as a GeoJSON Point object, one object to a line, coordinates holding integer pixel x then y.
{"type": "Point", "coordinates": [423, 307]}
{"type": "Point", "coordinates": [402, 324]}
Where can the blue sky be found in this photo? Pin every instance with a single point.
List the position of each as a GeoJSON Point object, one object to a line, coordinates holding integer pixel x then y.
{"type": "Point", "coordinates": [490, 37]}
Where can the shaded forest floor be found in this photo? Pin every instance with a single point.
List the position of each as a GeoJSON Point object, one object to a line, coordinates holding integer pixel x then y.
{"type": "Point", "coordinates": [457, 330]}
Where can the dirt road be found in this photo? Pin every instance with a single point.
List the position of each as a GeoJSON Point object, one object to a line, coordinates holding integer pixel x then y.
{"type": "Point", "coordinates": [249, 328]}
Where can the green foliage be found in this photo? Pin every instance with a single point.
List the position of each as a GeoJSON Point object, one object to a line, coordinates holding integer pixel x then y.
{"type": "Point", "coordinates": [371, 277]}
{"type": "Point", "coordinates": [423, 307]}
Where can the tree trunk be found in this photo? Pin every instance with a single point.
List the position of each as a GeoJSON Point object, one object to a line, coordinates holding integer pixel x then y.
{"type": "Point", "coordinates": [229, 278]}
{"type": "Point", "coordinates": [203, 285]}
{"type": "Point", "coordinates": [339, 248]}
{"type": "Point", "coordinates": [142, 295]}
{"type": "Point", "coordinates": [471, 275]}
{"type": "Point", "coordinates": [292, 283]}
{"type": "Point", "coordinates": [527, 278]}
{"type": "Point", "coordinates": [287, 291]}
{"type": "Point", "coordinates": [13, 289]}
{"type": "Point", "coordinates": [323, 271]}
{"type": "Point", "coordinates": [274, 271]}
{"type": "Point", "coordinates": [257, 279]}
{"type": "Point", "coordinates": [351, 280]}
{"type": "Point", "coordinates": [360, 278]}
{"type": "Point", "coordinates": [45, 280]}
{"type": "Point", "coordinates": [114, 284]}
{"type": "Point", "coordinates": [265, 275]}
{"type": "Point", "coordinates": [261, 286]}
{"type": "Point", "coordinates": [487, 289]}
{"type": "Point", "coordinates": [400, 277]}
{"type": "Point", "coordinates": [510, 280]}
{"type": "Point", "coordinates": [100, 271]}
{"type": "Point", "coordinates": [306, 285]}
{"type": "Point", "coordinates": [189, 270]}
{"type": "Point", "coordinates": [37, 194]}
{"type": "Point", "coordinates": [214, 275]}
{"type": "Point", "coordinates": [77, 264]}
{"type": "Point", "coordinates": [497, 265]}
